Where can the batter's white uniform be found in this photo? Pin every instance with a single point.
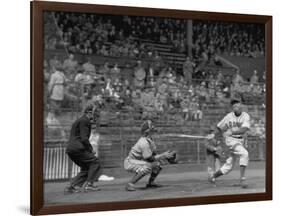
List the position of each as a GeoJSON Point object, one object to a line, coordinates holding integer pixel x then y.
{"type": "Point", "coordinates": [235, 142]}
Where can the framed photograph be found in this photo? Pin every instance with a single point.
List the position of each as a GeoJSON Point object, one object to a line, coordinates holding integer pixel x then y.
{"type": "Point", "coordinates": [140, 107]}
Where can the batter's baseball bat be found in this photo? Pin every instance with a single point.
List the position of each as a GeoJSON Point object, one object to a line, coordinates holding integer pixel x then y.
{"type": "Point", "coordinates": [182, 135]}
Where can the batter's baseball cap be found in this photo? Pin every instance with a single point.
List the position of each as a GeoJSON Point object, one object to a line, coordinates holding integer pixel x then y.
{"type": "Point", "coordinates": [147, 126]}
{"type": "Point", "coordinates": [235, 101]}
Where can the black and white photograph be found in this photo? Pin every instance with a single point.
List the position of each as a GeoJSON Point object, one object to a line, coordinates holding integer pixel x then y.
{"type": "Point", "coordinates": [150, 107]}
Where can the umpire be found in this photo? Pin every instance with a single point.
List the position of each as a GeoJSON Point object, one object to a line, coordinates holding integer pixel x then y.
{"type": "Point", "coordinates": [80, 151]}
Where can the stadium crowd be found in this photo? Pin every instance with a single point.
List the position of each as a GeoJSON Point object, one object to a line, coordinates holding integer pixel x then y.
{"type": "Point", "coordinates": [115, 35]}
{"type": "Point", "coordinates": [151, 87]}
{"type": "Point", "coordinates": [241, 39]}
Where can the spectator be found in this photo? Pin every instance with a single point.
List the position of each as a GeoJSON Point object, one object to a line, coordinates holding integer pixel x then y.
{"type": "Point", "coordinates": [188, 70]}
{"type": "Point", "coordinates": [237, 79]}
{"type": "Point", "coordinates": [127, 73]}
{"type": "Point", "coordinates": [89, 68]}
{"type": "Point", "coordinates": [162, 93]}
{"type": "Point", "coordinates": [103, 51]}
{"type": "Point", "coordinates": [220, 97]}
{"type": "Point", "coordinates": [55, 129]}
{"type": "Point", "coordinates": [157, 63]}
{"type": "Point", "coordinates": [136, 98]}
{"type": "Point", "coordinates": [105, 70]}
{"type": "Point", "coordinates": [159, 106]}
{"type": "Point", "coordinates": [227, 85]}
{"type": "Point", "coordinates": [151, 79]}
{"type": "Point", "coordinates": [194, 109]}
{"type": "Point", "coordinates": [212, 85]}
{"type": "Point", "coordinates": [238, 86]}
{"type": "Point", "coordinates": [114, 50]}
{"type": "Point", "coordinates": [260, 129]}
{"type": "Point", "coordinates": [147, 103]}
{"type": "Point", "coordinates": [115, 72]}
{"type": "Point", "coordinates": [80, 77]}
{"type": "Point", "coordinates": [219, 80]}
{"type": "Point", "coordinates": [83, 77]}
{"type": "Point", "coordinates": [51, 43]}
{"type": "Point", "coordinates": [203, 94]}
{"type": "Point", "coordinates": [139, 75]}
{"type": "Point", "coordinates": [171, 74]}
{"type": "Point", "coordinates": [70, 65]}
{"type": "Point", "coordinates": [217, 61]}
{"type": "Point", "coordinates": [254, 78]}
{"type": "Point", "coordinates": [56, 89]}
{"type": "Point", "coordinates": [117, 96]}
{"type": "Point", "coordinates": [54, 62]}
{"type": "Point", "coordinates": [109, 88]}
{"type": "Point", "coordinates": [185, 104]}
{"type": "Point", "coordinates": [126, 96]}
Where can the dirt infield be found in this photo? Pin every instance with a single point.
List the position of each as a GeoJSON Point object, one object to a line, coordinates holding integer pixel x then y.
{"type": "Point", "coordinates": [182, 183]}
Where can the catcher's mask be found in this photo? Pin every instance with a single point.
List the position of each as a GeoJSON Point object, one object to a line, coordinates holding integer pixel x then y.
{"type": "Point", "coordinates": [147, 127]}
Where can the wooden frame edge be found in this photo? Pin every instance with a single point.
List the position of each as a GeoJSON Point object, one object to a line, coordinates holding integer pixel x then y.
{"type": "Point", "coordinates": [36, 192]}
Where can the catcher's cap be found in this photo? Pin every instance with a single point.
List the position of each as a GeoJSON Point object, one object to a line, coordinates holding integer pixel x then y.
{"type": "Point", "coordinates": [235, 101]}
{"type": "Point", "coordinates": [147, 126]}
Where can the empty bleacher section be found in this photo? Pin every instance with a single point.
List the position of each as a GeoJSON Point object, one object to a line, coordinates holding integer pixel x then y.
{"type": "Point", "coordinates": [248, 65]}
{"type": "Point", "coordinates": [123, 42]}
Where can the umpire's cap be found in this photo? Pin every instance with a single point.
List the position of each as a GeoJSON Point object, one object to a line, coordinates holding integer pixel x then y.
{"type": "Point", "coordinates": [89, 108]}
{"type": "Point", "coordinates": [147, 126]}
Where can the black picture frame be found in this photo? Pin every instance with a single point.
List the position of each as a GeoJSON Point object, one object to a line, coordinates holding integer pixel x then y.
{"type": "Point", "coordinates": [36, 13]}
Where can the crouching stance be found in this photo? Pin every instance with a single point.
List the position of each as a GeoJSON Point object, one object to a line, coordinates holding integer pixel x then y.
{"type": "Point", "coordinates": [143, 159]}
{"type": "Point", "coordinates": [80, 151]}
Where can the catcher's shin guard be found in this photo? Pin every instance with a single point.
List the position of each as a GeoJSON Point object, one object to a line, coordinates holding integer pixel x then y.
{"type": "Point", "coordinates": [137, 177]}
{"type": "Point", "coordinates": [155, 172]}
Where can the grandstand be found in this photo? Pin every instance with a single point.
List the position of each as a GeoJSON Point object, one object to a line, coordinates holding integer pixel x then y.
{"type": "Point", "coordinates": [123, 41]}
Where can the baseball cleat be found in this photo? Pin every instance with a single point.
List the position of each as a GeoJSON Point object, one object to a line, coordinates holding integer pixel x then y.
{"type": "Point", "coordinates": [130, 187]}
{"type": "Point", "coordinates": [212, 180]}
{"type": "Point", "coordinates": [241, 184]}
{"type": "Point", "coordinates": [88, 187]}
{"type": "Point", "coordinates": [153, 185]}
{"type": "Point", "coordinates": [71, 190]}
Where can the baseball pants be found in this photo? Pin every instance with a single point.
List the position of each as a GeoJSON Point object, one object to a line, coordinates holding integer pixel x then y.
{"type": "Point", "coordinates": [89, 164]}
{"type": "Point", "coordinates": [237, 152]}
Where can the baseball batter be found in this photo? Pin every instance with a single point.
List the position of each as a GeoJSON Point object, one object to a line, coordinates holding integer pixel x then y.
{"type": "Point", "coordinates": [143, 159]}
{"type": "Point", "coordinates": [234, 127]}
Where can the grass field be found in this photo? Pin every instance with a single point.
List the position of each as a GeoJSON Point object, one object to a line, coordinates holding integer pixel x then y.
{"type": "Point", "coordinates": [178, 181]}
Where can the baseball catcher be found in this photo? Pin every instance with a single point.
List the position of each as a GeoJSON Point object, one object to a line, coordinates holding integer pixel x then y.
{"type": "Point", "coordinates": [143, 159]}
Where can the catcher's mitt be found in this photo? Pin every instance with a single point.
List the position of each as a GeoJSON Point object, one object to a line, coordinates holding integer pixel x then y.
{"type": "Point", "coordinates": [173, 159]}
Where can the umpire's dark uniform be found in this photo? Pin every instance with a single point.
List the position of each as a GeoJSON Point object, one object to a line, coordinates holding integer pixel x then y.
{"type": "Point", "coordinates": [81, 152]}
